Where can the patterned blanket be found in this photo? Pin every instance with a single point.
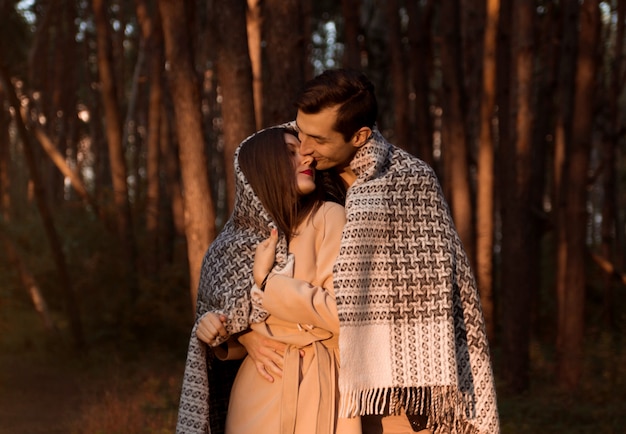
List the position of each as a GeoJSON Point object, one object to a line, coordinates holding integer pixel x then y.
{"type": "Point", "coordinates": [225, 284]}
{"type": "Point", "coordinates": [412, 332]}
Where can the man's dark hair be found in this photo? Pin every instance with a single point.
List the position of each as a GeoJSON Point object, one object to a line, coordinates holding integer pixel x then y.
{"type": "Point", "coordinates": [351, 90]}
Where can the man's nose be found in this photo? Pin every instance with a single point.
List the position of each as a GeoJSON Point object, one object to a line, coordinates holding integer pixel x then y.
{"type": "Point", "coordinates": [306, 160]}
{"type": "Point", "coordinates": [305, 149]}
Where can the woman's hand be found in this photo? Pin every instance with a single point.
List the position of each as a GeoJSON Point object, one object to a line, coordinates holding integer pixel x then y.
{"type": "Point", "coordinates": [264, 258]}
{"type": "Point", "coordinates": [210, 326]}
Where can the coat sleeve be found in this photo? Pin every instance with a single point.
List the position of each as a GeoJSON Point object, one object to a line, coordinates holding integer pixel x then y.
{"type": "Point", "coordinates": [299, 301]}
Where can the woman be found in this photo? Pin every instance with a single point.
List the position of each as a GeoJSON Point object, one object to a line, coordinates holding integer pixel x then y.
{"type": "Point", "coordinates": [276, 188]}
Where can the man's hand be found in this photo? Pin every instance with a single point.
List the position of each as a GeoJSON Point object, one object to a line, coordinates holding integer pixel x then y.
{"type": "Point", "coordinates": [211, 325]}
{"type": "Point", "coordinates": [267, 354]}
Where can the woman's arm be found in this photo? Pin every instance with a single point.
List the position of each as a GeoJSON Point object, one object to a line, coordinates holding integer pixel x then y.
{"type": "Point", "coordinates": [299, 301]}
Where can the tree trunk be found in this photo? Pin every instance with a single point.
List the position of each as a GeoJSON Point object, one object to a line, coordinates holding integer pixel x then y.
{"type": "Point", "coordinates": [453, 126]}
{"type": "Point", "coordinates": [71, 303]}
{"type": "Point", "coordinates": [398, 76]}
{"type": "Point", "coordinates": [29, 283]}
{"type": "Point", "coordinates": [562, 139]}
{"type": "Point", "coordinates": [570, 361]}
{"type": "Point", "coordinates": [283, 70]}
{"type": "Point", "coordinates": [171, 167]}
{"type": "Point", "coordinates": [5, 158]}
{"type": "Point", "coordinates": [611, 227]}
{"type": "Point", "coordinates": [545, 109]}
{"type": "Point", "coordinates": [234, 73]}
{"type": "Point", "coordinates": [350, 11]}
{"type": "Point", "coordinates": [517, 227]}
{"type": "Point", "coordinates": [60, 161]}
{"type": "Point", "coordinates": [151, 36]}
{"type": "Point", "coordinates": [420, 61]}
{"type": "Point", "coordinates": [254, 24]}
{"type": "Point", "coordinates": [485, 182]}
{"type": "Point", "coordinates": [198, 203]}
{"type": "Point", "coordinates": [116, 152]}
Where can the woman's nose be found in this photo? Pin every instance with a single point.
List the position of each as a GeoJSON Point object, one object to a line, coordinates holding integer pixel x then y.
{"type": "Point", "coordinates": [306, 160]}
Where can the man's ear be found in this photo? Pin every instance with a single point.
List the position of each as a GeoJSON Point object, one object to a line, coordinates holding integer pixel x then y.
{"type": "Point", "coordinates": [361, 136]}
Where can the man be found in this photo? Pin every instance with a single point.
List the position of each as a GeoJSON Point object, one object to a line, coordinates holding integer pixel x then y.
{"type": "Point", "coordinates": [413, 348]}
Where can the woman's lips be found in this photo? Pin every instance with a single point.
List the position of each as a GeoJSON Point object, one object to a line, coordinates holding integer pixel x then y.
{"type": "Point", "coordinates": [308, 172]}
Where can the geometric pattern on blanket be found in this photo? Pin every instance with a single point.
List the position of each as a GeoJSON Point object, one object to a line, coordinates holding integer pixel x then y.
{"type": "Point", "coordinates": [412, 333]}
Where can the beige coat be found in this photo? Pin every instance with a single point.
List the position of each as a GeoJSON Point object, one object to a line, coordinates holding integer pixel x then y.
{"type": "Point", "coordinates": [303, 314]}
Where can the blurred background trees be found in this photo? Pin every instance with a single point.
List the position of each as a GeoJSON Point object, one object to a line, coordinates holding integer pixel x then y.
{"type": "Point", "coordinates": [118, 123]}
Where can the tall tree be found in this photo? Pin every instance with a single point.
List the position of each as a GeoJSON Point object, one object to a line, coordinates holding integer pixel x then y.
{"type": "Point", "coordinates": [234, 72]}
{"type": "Point", "coordinates": [399, 74]}
{"type": "Point", "coordinates": [174, 209]}
{"type": "Point", "coordinates": [454, 136]}
{"type": "Point", "coordinates": [572, 326]}
{"type": "Point", "coordinates": [544, 109]}
{"type": "Point", "coordinates": [612, 238]}
{"type": "Point", "coordinates": [253, 24]}
{"type": "Point", "coordinates": [198, 202]}
{"type": "Point", "coordinates": [71, 302]}
{"type": "Point", "coordinates": [151, 38]}
{"type": "Point", "coordinates": [570, 11]}
{"type": "Point", "coordinates": [516, 159]}
{"type": "Point", "coordinates": [350, 11]}
{"type": "Point", "coordinates": [485, 184]}
{"type": "Point", "coordinates": [420, 63]}
{"type": "Point", "coordinates": [283, 64]}
{"type": "Point", "coordinates": [117, 157]}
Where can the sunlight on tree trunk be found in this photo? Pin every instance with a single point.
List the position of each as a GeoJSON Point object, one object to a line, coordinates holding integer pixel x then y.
{"type": "Point", "coordinates": [485, 181]}
{"type": "Point", "coordinates": [151, 38]}
{"type": "Point", "coordinates": [234, 73]}
{"type": "Point", "coordinates": [117, 158]}
{"type": "Point", "coordinates": [198, 203]}
{"type": "Point", "coordinates": [253, 24]}
{"type": "Point", "coordinates": [454, 137]}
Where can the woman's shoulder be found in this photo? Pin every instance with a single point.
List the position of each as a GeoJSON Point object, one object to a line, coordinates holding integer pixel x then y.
{"type": "Point", "coordinates": [333, 208]}
{"type": "Point", "coordinates": [330, 212]}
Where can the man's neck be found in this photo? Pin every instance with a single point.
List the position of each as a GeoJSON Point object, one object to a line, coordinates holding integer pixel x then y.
{"type": "Point", "coordinates": [347, 175]}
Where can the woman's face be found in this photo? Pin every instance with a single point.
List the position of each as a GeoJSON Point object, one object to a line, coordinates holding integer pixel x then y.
{"type": "Point", "coordinates": [305, 174]}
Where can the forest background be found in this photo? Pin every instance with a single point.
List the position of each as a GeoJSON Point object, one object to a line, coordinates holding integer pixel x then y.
{"type": "Point", "coordinates": [118, 123]}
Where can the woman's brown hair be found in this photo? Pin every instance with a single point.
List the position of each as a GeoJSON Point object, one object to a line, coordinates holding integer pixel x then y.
{"type": "Point", "coordinates": [265, 161]}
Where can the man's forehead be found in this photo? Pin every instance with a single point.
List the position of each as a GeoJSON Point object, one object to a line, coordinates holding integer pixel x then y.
{"type": "Point", "coordinates": [316, 124]}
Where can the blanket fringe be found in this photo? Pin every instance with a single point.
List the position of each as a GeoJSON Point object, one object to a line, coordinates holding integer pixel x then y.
{"type": "Point", "coordinates": [448, 409]}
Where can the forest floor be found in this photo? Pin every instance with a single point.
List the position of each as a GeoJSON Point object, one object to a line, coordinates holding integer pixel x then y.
{"type": "Point", "coordinates": [37, 394]}
{"type": "Point", "coordinates": [46, 387]}
{"type": "Point", "coordinates": [130, 387]}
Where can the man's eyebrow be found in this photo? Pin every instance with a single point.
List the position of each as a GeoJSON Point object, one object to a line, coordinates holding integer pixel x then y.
{"type": "Point", "coordinates": [310, 135]}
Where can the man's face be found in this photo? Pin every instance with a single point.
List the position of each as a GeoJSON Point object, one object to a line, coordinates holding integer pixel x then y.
{"type": "Point", "coordinates": [320, 141]}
